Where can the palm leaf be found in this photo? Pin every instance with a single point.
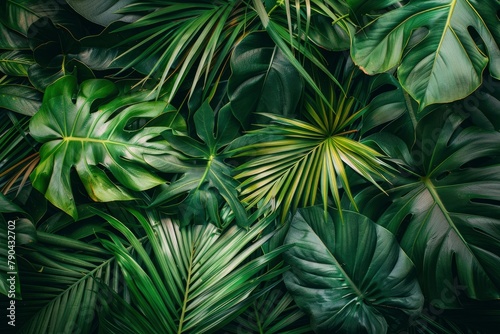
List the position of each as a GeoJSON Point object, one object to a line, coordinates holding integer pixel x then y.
{"type": "Point", "coordinates": [197, 279]}
{"type": "Point", "coordinates": [292, 159]}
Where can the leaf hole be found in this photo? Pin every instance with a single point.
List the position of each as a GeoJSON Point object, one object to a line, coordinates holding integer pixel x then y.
{"type": "Point", "coordinates": [443, 175]}
{"type": "Point", "coordinates": [382, 89]}
{"type": "Point", "coordinates": [478, 162]}
{"type": "Point", "coordinates": [476, 37]}
{"type": "Point", "coordinates": [403, 227]}
{"type": "Point", "coordinates": [486, 201]}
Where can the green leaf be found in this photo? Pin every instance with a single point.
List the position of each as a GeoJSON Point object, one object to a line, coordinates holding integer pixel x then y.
{"type": "Point", "coordinates": [15, 63]}
{"type": "Point", "coordinates": [22, 99]}
{"type": "Point", "coordinates": [444, 207]}
{"type": "Point", "coordinates": [360, 7]}
{"type": "Point", "coordinates": [14, 232]}
{"type": "Point", "coordinates": [19, 15]}
{"type": "Point", "coordinates": [446, 63]}
{"type": "Point", "coordinates": [262, 80]}
{"type": "Point", "coordinates": [77, 135]}
{"type": "Point", "coordinates": [101, 12]}
{"type": "Point", "coordinates": [194, 281]}
{"type": "Point", "coordinates": [11, 40]}
{"type": "Point", "coordinates": [60, 279]}
{"type": "Point", "coordinates": [214, 176]}
{"type": "Point", "coordinates": [349, 274]}
{"type": "Point", "coordinates": [204, 121]}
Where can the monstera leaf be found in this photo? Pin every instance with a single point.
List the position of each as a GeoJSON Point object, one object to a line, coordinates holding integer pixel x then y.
{"type": "Point", "coordinates": [349, 274]}
{"type": "Point", "coordinates": [445, 63]}
{"type": "Point", "coordinates": [445, 208]}
{"type": "Point", "coordinates": [80, 133]}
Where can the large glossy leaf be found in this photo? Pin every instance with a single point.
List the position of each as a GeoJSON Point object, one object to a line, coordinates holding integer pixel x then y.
{"type": "Point", "coordinates": [194, 281]}
{"type": "Point", "coordinates": [444, 207]}
{"type": "Point", "coordinates": [446, 64]}
{"type": "Point", "coordinates": [262, 80]}
{"type": "Point", "coordinates": [81, 132]}
{"type": "Point", "coordinates": [349, 275]}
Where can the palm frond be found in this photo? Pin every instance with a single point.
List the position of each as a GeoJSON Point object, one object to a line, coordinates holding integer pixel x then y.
{"type": "Point", "coordinates": [185, 36]}
{"type": "Point", "coordinates": [295, 159]}
{"type": "Point", "coordinates": [196, 279]}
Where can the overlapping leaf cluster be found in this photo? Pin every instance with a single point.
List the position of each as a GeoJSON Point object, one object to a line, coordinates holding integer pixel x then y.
{"type": "Point", "coordinates": [252, 166]}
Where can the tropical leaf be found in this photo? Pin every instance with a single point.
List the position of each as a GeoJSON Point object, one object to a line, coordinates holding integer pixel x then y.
{"type": "Point", "coordinates": [291, 160]}
{"type": "Point", "coordinates": [193, 38]}
{"type": "Point", "coordinates": [14, 232]}
{"type": "Point", "coordinates": [444, 207]}
{"type": "Point", "coordinates": [349, 274]}
{"type": "Point", "coordinates": [60, 275]}
{"type": "Point", "coordinates": [84, 135]}
{"type": "Point", "coordinates": [195, 281]}
{"type": "Point", "coordinates": [206, 175]}
{"type": "Point", "coordinates": [17, 151]}
{"type": "Point", "coordinates": [390, 109]}
{"type": "Point", "coordinates": [20, 98]}
{"type": "Point", "coordinates": [273, 312]}
{"type": "Point", "coordinates": [19, 15]}
{"type": "Point", "coordinates": [101, 12]}
{"type": "Point", "coordinates": [15, 63]}
{"type": "Point", "coordinates": [262, 80]}
{"type": "Point", "coordinates": [481, 106]}
{"type": "Point", "coordinates": [446, 63]}
{"type": "Point", "coordinates": [11, 40]}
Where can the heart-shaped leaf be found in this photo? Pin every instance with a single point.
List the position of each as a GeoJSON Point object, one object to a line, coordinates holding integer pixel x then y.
{"type": "Point", "coordinates": [349, 275]}
{"type": "Point", "coordinates": [87, 135]}
{"type": "Point", "coordinates": [445, 64]}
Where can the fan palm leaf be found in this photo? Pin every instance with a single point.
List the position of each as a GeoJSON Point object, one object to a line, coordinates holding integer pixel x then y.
{"type": "Point", "coordinates": [291, 160]}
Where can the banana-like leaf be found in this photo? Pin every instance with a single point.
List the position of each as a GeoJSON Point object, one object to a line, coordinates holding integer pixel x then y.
{"type": "Point", "coordinates": [262, 80]}
{"type": "Point", "coordinates": [444, 207]}
{"type": "Point", "coordinates": [349, 273]}
{"type": "Point", "coordinates": [15, 63]}
{"type": "Point", "coordinates": [445, 63]}
{"type": "Point", "coordinates": [80, 131]}
{"type": "Point", "coordinates": [195, 281]}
